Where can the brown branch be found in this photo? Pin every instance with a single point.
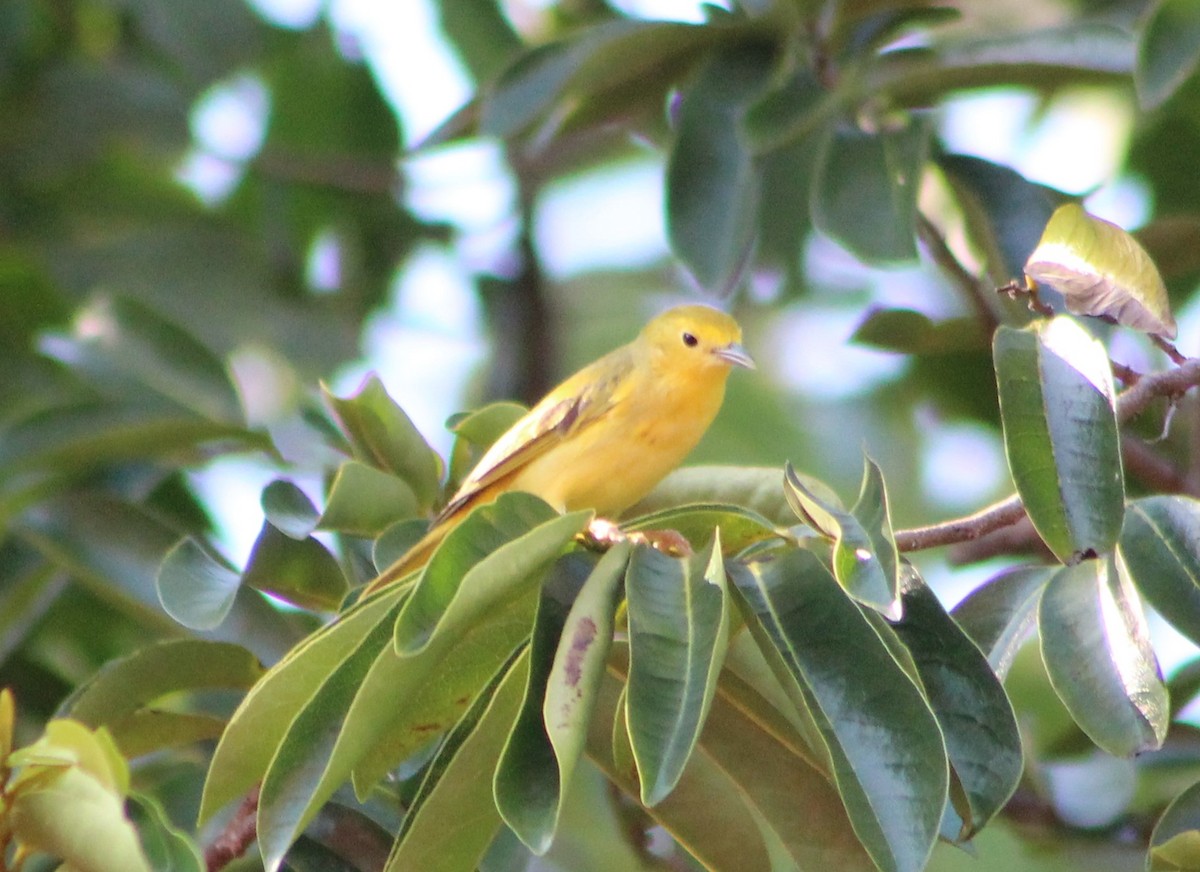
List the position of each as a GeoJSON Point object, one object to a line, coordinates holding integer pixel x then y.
{"type": "Point", "coordinates": [238, 835]}
{"type": "Point", "coordinates": [995, 516]}
{"type": "Point", "coordinates": [970, 287]}
{"type": "Point", "coordinates": [1169, 383]}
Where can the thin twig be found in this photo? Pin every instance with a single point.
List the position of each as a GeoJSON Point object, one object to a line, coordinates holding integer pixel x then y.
{"type": "Point", "coordinates": [970, 287]}
{"type": "Point", "coordinates": [1001, 514]}
{"type": "Point", "coordinates": [238, 835]}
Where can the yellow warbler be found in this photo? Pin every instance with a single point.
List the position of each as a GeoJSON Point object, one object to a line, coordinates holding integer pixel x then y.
{"type": "Point", "coordinates": [608, 434]}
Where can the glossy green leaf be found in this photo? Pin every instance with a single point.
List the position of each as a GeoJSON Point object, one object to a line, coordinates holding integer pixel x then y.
{"type": "Point", "coordinates": [865, 197]}
{"type": "Point", "coordinates": [364, 500]}
{"type": "Point", "coordinates": [678, 631]}
{"type": "Point", "coordinates": [706, 812]}
{"type": "Point", "coordinates": [195, 588]}
{"type": "Point", "coordinates": [885, 745]}
{"type": "Point", "coordinates": [528, 783]}
{"type": "Point", "coordinates": [261, 721]}
{"type": "Point", "coordinates": [1000, 614]}
{"type": "Point", "coordinates": [1060, 434]}
{"type": "Point", "coordinates": [130, 350]}
{"type": "Point", "coordinates": [453, 816]}
{"type": "Point", "coordinates": [300, 571]}
{"type": "Point", "coordinates": [712, 179]}
{"type": "Point", "coordinates": [497, 552]}
{"type": "Point", "coordinates": [977, 720]}
{"type": "Point", "coordinates": [1096, 647]}
{"type": "Point", "coordinates": [384, 437]}
{"type": "Point", "coordinates": [865, 559]}
{"type": "Point", "coordinates": [1100, 269]}
{"type": "Point", "coordinates": [1160, 544]}
{"type": "Point", "coordinates": [289, 509]}
{"type": "Point", "coordinates": [298, 765]}
{"type": "Point", "coordinates": [1175, 841]}
{"type": "Point", "coordinates": [740, 527]}
{"type": "Point", "coordinates": [124, 686]}
{"type": "Point", "coordinates": [1168, 52]}
{"type": "Point", "coordinates": [757, 488]}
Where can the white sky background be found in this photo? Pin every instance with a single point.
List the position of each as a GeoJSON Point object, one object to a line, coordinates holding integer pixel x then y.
{"type": "Point", "coordinates": [429, 341]}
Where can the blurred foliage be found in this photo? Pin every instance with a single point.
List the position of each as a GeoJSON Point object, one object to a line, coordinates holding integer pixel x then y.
{"type": "Point", "coordinates": [792, 696]}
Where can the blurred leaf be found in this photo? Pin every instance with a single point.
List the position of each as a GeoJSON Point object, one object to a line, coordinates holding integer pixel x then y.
{"type": "Point", "coordinates": [712, 180]}
{"type": "Point", "coordinates": [476, 431]}
{"type": "Point", "coordinates": [678, 631]}
{"type": "Point", "coordinates": [385, 437]}
{"type": "Point", "coordinates": [977, 721]}
{"type": "Point", "coordinates": [482, 37]}
{"type": "Point", "coordinates": [299, 571]}
{"type": "Point", "coordinates": [167, 848]}
{"type": "Point", "coordinates": [453, 816]}
{"type": "Point", "coordinates": [1005, 212]}
{"type": "Point", "coordinates": [883, 740]}
{"type": "Point", "coordinates": [739, 527]}
{"type": "Point", "coordinates": [910, 332]}
{"type": "Point", "coordinates": [124, 686]}
{"type": "Point", "coordinates": [1060, 434]}
{"type": "Point", "coordinates": [865, 197]}
{"type": "Point", "coordinates": [1000, 613]}
{"type": "Point", "coordinates": [1160, 544]}
{"type": "Point", "coordinates": [865, 559]}
{"type": "Point", "coordinates": [757, 488]}
{"type": "Point", "coordinates": [364, 500]}
{"type": "Point", "coordinates": [394, 542]}
{"type": "Point", "coordinates": [128, 350]}
{"type": "Point", "coordinates": [1097, 652]}
{"type": "Point", "coordinates": [194, 588]}
{"type": "Point", "coordinates": [1101, 270]}
{"type": "Point", "coordinates": [1168, 242]}
{"type": "Point", "coordinates": [149, 730]}
{"type": "Point", "coordinates": [289, 509]}
{"type": "Point", "coordinates": [261, 721]}
{"type": "Point", "coordinates": [1175, 842]}
{"type": "Point", "coordinates": [1168, 51]}
{"type": "Point", "coordinates": [787, 113]}
{"type": "Point", "coordinates": [498, 552]}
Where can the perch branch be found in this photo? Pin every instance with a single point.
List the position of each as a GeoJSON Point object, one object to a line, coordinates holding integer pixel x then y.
{"type": "Point", "coordinates": [237, 836]}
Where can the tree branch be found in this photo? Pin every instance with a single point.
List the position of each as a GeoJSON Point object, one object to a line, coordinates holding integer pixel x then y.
{"type": "Point", "coordinates": [238, 835]}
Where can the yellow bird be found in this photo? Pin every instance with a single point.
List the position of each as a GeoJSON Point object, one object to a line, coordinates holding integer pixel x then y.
{"type": "Point", "coordinates": [608, 434]}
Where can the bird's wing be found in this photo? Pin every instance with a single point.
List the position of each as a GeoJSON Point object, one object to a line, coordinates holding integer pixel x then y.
{"type": "Point", "coordinates": [579, 402]}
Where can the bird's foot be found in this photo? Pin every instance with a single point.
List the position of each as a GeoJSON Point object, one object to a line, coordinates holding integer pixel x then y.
{"type": "Point", "coordinates": [605, 533]}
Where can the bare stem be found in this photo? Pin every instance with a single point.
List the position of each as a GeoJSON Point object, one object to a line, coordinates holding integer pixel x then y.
{"type": "Point", "coordinates": [237, 836]}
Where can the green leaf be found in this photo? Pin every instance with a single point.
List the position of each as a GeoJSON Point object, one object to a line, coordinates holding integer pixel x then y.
{"type": "Point", "coordinates": [865, 197]}
{"type": "Point", "coordinates": [1101, 269]}
{"type": "Point", "coordinates": [500, 550]}
{"type": "Point", "coordinates": [1160, 544]}
{"type": "Point", "coordinates": [124, 686]}
{"type": "Point", "coordinates": [453, 816]}
{"type": "Point", "coordinates": [1060, 434]}
{"type": "Point", "coordinates": [130, 351]}
{"type": "Point", "coordinates": [1168, 51]}
{"type": "Point", "coordinates": [300, 571]}
{"type": "Point", "coordinates": [149, 730]}
{"type": "Point", "coordinates": [364, 500]}
{"type": "Point", "coordinates": [712, 180]}
{"type": "Point", "coordinates": [167, 848]}
{"type": "Point", "coordinates": [739, 527]}
{"type": "Point", "coordinates": [289, 509]}
{"type": "Point", "coordinates": [394, 542]}
{"type": "Point", "coordinates": [261, 721]}
{"type": "Point", "coordinates": [678, 632]}
{"type": "Point", "coordinates": [528, 784]}
{"type": "Point", "coordinates": [194, 588]}
{"type": "Point", "coordinates": [1097, 652]}
{"type": "Point", "coordinates": [1005, 213]}
{"type": "Point", "coordinates": [910, 332]}
{"type": "Point", "coordinates": [977, 720]}
{"type": "Point", "coordinates": [793, 110]}
{"type": "Point", "coordinates": [886, 747]}
{"type": "Point", "coordinates": [1000, 613]}
{"type": "Point", "coordinates": [865, 558]}
{"type": "Point", "coordinates": [475, 432]}
{"type": "Point", "coordinates": [1175, 841]}
{"type": "Point", "coordinates": [756, 488]}
{"type": "Point", "coordinates": [285, 802]}
{"type": "Point", "coordinates": [384, 437]}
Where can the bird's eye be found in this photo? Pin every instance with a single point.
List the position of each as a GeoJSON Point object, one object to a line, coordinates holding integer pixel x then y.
{"type": "Point", "coordinates": [689, 340]}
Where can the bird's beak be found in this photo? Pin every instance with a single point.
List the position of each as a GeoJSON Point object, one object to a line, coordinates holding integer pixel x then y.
{"type": "Point", "coordinates": [733, 353]}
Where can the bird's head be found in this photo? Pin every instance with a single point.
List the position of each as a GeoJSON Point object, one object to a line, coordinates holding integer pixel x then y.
{"type": "Point", "coordinates": [697, 338]}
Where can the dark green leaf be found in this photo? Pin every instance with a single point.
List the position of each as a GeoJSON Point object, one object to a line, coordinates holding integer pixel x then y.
{"type": "Point", "coordinates": [289, 509]}
{"type": "Point", "coordinates": [394, 542]}
{"type": "Point", "coordinates": [884, 743]}
{"type": "Point", "coordinates": [712, 181]}
{"type": "Point", "coordinates": [865, 197]}
{"type": "Point", "coordinates": [167, 848]}
{"type": "Point", "coordinates": [364, 500]}
{"type": "Point", "coordinates": [1168, 52]}
{"type": "Point", "coordinates": [739, 527]}
{"type": "Point", "coordinates": [758, 488]}
{"type": "Point", "coordinates": [300, 571]}
{"type": "Point", "coordinates": [1097, 652]}
{"type": "Point", "coordinates": [678, 631]}
{"type": "Point", "coordinates": [195, 588]}
{"type": "Point", "coordinates": [1000, 613]}
{"type": "Point", "coordinates": [1160, 543]}
{"type": "Point", "coordinates": [910, 332]}
{"type": "Point", "coordinates": [1060, 434]}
